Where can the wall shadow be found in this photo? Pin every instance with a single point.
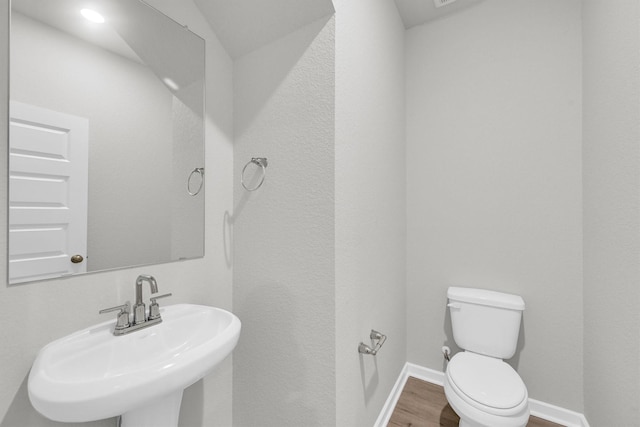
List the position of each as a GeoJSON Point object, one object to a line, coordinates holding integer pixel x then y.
{"type": "Point", "coordinates": [282, 384]}
{"type": "Point", "coordinates": [250, 101]}
{"type": "Point", "coordinates": [192, 407]}
{"type": "Point", "coordinates": [283, 365]}
{"type": "Point", "coordinates": [370, 382]}
{"type": "Point", "coordinates": [22, 414]}
{"type": "Point", "coordinates": [515, 360]}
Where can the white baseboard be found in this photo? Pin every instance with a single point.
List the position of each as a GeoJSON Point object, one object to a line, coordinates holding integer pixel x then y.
{"type": "Point", "coordinates": [392, 400]}
{"type": "Point", "coordinates": [539, 409]}
{"type": "Point", "coordinates": [556, 414]}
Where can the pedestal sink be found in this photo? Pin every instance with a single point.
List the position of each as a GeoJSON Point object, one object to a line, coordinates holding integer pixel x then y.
{"type": "Point", "coordinates": [92, 374]}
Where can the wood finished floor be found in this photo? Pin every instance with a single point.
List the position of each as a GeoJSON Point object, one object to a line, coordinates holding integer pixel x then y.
{"type": "Point", "coordinates": [423, 404]}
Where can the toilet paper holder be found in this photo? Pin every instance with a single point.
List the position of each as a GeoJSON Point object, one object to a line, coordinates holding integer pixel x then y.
{"type": "Point", "coordinates": [375, 336]}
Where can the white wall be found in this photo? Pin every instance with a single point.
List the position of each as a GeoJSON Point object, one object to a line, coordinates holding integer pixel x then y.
{"type": "Point", "coordinates": [611, 32]}
{"type": "Point", "coordinates": [283, 233]}
{"type": "Point", "coordinates": [369, 205]}
{"type": "Point", "coordinates": [33, 314]}
{"type": "Point", "coordinates": [494, 180]}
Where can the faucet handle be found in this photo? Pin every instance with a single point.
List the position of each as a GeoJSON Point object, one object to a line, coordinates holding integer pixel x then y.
{"type": "Point", "coordinates": [154, 308]}
{"type": "Point", "coordinates": [153, 299]}
{"type": "Point", "coordinates": [123, 307]}
{"type": "Point", "coordinates": [123, 315]}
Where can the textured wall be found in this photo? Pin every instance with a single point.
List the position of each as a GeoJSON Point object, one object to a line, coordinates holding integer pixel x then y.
{"type": "Point", "coordinates": [283, 233]}
{"type": "Point", "coordinates": [494, 180]}
{"type": "Point", "coordinates": [611, 32]}
{"type": "Point", "coordinates": [369, 205]}
{"type": "Point", "coordinates": [31, 315]}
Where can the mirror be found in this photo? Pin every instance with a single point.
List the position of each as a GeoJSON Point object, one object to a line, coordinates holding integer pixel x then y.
{"type": "Point", "coordinates": [106, 138]}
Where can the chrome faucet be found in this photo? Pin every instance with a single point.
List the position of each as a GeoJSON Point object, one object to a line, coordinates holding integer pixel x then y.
{"type": "Point", "coordinates": [140, 318]}
{"type": "Point", "coordinates": [139, 309]}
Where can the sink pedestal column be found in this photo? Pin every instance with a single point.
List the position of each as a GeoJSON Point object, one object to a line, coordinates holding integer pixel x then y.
{"type": "Point", "coordinates": [161, 412]}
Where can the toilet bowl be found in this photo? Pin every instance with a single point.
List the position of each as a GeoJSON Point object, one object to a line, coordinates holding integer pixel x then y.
{"type": "Point", "coordinates": [485, 392]}
{"type": "Point", "coordinates": [481, 388]}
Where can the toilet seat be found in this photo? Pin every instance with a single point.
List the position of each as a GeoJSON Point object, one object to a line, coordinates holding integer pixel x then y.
{"type": "Point", "coordinates": [486, 383]}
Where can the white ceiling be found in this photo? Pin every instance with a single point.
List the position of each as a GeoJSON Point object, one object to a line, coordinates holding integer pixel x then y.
{"type": "Point", "coordinates": [64, 15]}
{"type": "Point", "coordinates": [416, 12]}
{"type": "Point", "coordinates": [180, 60]}
{"type": "Point", "coordinates": [244, 25]}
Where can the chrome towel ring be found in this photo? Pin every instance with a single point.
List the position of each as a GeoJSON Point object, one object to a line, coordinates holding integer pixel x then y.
{"type": "Point", "coordinates": [199, 171]}
{"type": "Point", "coordinates": [259, 161]}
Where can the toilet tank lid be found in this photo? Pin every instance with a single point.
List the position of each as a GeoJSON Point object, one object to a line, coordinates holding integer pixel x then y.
{"type": "Point", "coordinates": [486, 297]}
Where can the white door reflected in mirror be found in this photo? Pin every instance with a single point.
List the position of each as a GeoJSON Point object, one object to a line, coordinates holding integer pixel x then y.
{"type": "Point", "coordinates": [48, 176]}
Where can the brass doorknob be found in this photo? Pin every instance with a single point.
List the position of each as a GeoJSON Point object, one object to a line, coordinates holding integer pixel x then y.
{"type": "Point", "coordinates": [77, 259]}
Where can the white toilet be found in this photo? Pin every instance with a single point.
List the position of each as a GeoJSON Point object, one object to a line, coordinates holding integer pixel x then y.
{"type": "Point", "coordinates": [480, 387]}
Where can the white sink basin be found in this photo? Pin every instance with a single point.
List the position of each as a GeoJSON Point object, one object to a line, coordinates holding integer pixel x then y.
{"type": "Point", "coordinates": [92, 374]}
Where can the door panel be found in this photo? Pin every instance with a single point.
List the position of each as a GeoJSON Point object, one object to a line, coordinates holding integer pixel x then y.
{"type": "Point", "coordinates": [48, 184]}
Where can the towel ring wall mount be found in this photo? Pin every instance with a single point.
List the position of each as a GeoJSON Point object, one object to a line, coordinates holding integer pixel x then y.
{"type": "Point", "coordinates": [376, 336]}
{"type": "Point", "coordinates": [258, 161]}
{"type": "Point", "coordinates": [199, 171]}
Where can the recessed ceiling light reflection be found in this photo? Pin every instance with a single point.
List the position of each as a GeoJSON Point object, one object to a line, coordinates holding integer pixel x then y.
{"type": "Point", "coordinates": [170, 83]}
{"type": "Point", "coordinates": [92, 16]}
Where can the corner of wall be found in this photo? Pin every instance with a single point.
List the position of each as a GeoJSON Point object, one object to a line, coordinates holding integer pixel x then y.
{"type": "Point", "coordinates": [611, 130]}
{"type": "Point", "coordinates": [370, 204]}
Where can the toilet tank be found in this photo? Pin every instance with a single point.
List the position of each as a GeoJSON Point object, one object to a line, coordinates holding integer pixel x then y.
{"type": "Point", "coordinates": [485, 322]}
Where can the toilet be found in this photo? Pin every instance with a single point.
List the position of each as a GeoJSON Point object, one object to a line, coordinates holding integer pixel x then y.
{"type": "Point", "coordinates": [481, 388]}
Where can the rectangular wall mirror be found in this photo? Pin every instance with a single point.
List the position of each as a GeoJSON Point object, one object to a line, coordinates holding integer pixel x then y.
{"type": "Point", "coordinates": [106, 138]}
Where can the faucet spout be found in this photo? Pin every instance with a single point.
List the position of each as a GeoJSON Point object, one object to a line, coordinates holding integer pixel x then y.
{"type": "Point", "coordinates": [139, 310]}
{"type": "Point", "coordinates": [152, 283]}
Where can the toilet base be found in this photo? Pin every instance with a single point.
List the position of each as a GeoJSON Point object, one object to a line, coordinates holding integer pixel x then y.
{"type": "Point", "coordinates": [473, 417]}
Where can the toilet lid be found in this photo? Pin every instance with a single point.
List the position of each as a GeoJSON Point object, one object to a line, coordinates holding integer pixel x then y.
{"type": "Point", "coordinates": [486, 380]}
